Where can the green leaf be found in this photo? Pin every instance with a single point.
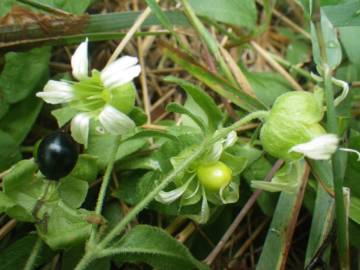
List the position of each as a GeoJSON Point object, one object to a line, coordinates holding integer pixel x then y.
{"type": "Point", "coordinates": [64, 115]}
{"type": "Point", "coordinates": [351, 44]}
{"type": "Point", "coordinates": [101, 144]}
{"type": "Point", "coordinates": [5, 202]}
{"type": "Point", "coordinates": [138, 116]}
{"type": "Point", "coordinates": [10, 151]}
{"type": "Point", "coordinates": [5, 6]}
{"type": "Point", "coordinates": [86, 168]}
{"type": "Point", "coordinates": [23, 72]}
{"type": "Point", "coordinates": [332, 45]}
{"type": "Point", "coordinates": [22, 186]}
{"type": "Point", "coordinates": [228, 11]}
{"type": "Point", "coordinates": [21, 117]}
{"type": "Point", "coordinates": [236, 163]}
{"type": "Point", "coordinates": [285, 180]}
{"type": "Point", "coordinates": [73, 191]}
{"type": "Point", "coordinates": [73, 255]}
{"type": "Point", "coordinates": [258, 170]}
{"type": "Point", "coordinates": [136, 187]}
{"type": "Point", "coordinates": [205, 102]}
{"type": "Point", "coordinates": [273, 255]}
{"type": "Point", "coordinates": [177, 108]}
{"type": "Point", "coordinates": [75, 7]}
{"type": "Point", "coordinates": [355, 209]}
{"type": "Point", "coordinates": [64, 227]}
{"type": "Point", "coordinates": [156, 248]}
{"type": "Point", "coordinates": [268, 86]}
{"type": "Point", "coordinates": [345, 14]}
{"type": "Point", "coordinates": [15, 256]}
{"type": "Point", "coordinates": [323, 214]}
{"type": "Point", "coordinates": [213, 81]}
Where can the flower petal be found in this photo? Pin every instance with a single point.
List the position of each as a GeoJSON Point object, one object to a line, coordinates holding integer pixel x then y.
{"type": "Point", "coordinates": [114, 121]}
{"type": "Point", "coordinates": [56, 92]}
{"type": "Point", "coordinates": [80, 128]}
{"type": "Point", "coordinates": [120, 72]}
{"type": "Point", "coordinates": [168, 197]}
{"type": "Point", "coordinates": [320, 148]}
{"type": "Point", "coordinates": [80, 62]}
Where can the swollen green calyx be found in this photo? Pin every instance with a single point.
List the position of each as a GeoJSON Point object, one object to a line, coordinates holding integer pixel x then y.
{"type": "Point", "coordinates": [294, 119]}
{"type": "Point", "coordinates": [91, 95]}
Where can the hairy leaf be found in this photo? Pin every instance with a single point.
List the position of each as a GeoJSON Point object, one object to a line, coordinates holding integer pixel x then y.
{"type": "Point", "coordinates": [155, 247]}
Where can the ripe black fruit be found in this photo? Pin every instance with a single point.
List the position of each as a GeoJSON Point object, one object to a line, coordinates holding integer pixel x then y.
{"type": "Point", "coordinates": [57, 155]}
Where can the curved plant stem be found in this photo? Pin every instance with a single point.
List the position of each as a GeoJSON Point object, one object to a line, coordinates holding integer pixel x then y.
{"type": "Point", "coordinates": [103, 245]}
{"type": "Point", "coordinates": [30, 263]}
{"type": "Point", "coordinates": [104, 186]}
{"type": "Point", "coordinates": [332, 127]}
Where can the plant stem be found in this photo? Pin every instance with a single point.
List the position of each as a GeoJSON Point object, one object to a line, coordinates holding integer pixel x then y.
{"type": "Point", "coordinates": [101, 247]}
{"type": "Point", "coordinates": [332, 127]}
{"type": "Point", "coordinates": [104, 186]}
{"type": "Point", "coordinates": [343, 241]}
{"type": "Point", "coordinates": [30, 263]}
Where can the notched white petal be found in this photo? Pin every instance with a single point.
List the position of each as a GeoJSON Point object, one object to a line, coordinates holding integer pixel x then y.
{"type": "Point", "coordinates": [320, 148]}
{"type": "Point", "coordinates": [120, 72]}
{"type": "Point", "coordinates": [80, 128]}
{"type": "Point", "coordinates": [56, 92]}
{"type": "Point", "coordinates": [80, 62]}
{"type": "Point", "coordinates": [115, 122]}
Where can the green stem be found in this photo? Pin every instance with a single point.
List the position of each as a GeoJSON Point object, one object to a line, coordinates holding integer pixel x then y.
{"type": "Point", "coordinates": [104, 186]}
{"type": "Point", "coordinates": [292, 67]}
{"type": "Point", "coordinates": [343, 241]}
{"type": "Point", "coordinates": [332, 127]}
{"type": "Point", "coordinates": [30, 263]}
{"type": "Point", "coordinates": [104, 243]}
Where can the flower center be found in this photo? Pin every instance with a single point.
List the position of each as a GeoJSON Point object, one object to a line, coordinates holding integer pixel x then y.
{"type": "Point", "coordinates": [90, 94]}
{"type": "Point", "coordinates": [106, 95]}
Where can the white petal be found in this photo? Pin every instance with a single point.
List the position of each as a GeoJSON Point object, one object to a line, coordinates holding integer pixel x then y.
{"type": "Point", "coordinates": [320, 148]}
{"type": "Point", "coordinates": [120, 72]}
{"type": "Point", "coordinates": [80, 128]}
{"type": "Point", "coordinates": [80, 62]}
{"type": "Point", "coordinates": [115, 122]}
{"type": "Point", "coordinates": [56, 92]}
{"type": "Point", "coordinates": [168, 197]}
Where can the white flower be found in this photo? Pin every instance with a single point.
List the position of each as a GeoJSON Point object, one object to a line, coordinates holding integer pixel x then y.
{"type": "Point", "coordinates": [96, 95]}
{"type": "Point", "coordinates": [320, 148]}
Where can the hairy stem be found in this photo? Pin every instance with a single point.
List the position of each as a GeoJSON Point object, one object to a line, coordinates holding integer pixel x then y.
{"type": "Point", "coordinates": [103, 245]}
{"type": "Point", "coordinates": [30, 263]}
{"type": "Point", "coordinates": [104, 186]}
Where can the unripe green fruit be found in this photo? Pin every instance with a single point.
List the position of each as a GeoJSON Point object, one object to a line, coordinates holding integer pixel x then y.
{"type": "Point", "coordinates": [214, 176]}
{"type": "Point", "coordinates": [294, 119]}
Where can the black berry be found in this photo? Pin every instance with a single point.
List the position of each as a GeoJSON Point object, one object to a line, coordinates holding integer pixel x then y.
{"type": "Point", "coordinates": [57, 155]}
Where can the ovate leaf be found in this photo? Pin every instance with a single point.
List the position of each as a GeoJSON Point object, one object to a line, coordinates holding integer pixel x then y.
{"type": "Point", "coordinates": [202, 99]}
{"type": "Point", "coordinates": [156, 248]}
{"type": "Point", "coordinates": [23, 72]}
{"type": "Point", "coordinates": [21, 117]}
{"type": "Point", "coordinates": [10, 152]}
{"type": "Point", "coordinates": [64, 227]}
{"type": "Point", "coordinates": [240, 13]}
{"type": "Point", "coordinates": [16, 255]}
{"type": "Point", "coordinates": [332, 45]}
